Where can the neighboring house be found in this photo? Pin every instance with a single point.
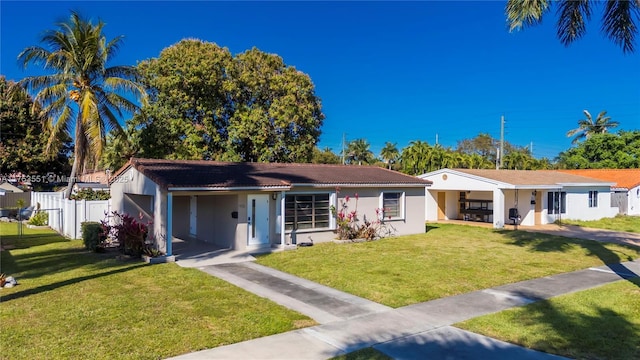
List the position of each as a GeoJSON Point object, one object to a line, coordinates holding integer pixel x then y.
{"type": "Point", "coordinates": [8, 187]}
{"type": "Point", "coordinates": [626, 190]}
{"type": "Point", "coordinates": [254, 205]}
{"type": "Point", "coordinates": [540, 196]}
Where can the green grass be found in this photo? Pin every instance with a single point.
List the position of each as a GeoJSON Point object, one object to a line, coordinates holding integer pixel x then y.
{"type": "Point", "coordinates": [600, 323]}
{"type": "Point", "coordinates": [75, 304]}
{"type": "Point", "coordinates": [447, 260]}
{"type": "Point", "coordinates": [618, 223]}
{"type": "Point", "coordinates": [363, 354]}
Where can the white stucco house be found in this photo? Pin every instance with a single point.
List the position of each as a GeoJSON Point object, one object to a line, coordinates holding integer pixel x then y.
{"type": "Point", "coordinates": [540, 196]}
{"type": "Point", "coordinates": [259, 205]}
{"type": "Point", "coordinates": [625, 191]}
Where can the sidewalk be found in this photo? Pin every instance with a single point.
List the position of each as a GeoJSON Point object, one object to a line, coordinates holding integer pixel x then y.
{"type": "Point", "coordinates": [416, 331]}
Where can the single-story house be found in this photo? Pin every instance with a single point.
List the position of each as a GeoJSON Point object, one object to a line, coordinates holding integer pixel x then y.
{"type": "Point", "coordinates": [525, 197]}
{"type": "Point", "coordinates": [626, 190]}
{"type": "Point", "coordinates": [254, 205]}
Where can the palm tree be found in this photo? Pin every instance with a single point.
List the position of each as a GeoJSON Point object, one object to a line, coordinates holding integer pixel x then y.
{"type": "Point", "coordinates": [358, 151]}
{"type": "Point", "coordinates": [416, 158]}
{"type": "Point", "coordinates": [81, 92]}
{"type": "Point", "coordinates": [389, 153]}
{"type": "Point", "coordinates": [618, 21]}
{"type": "Point", "coordinates": [588, 127]}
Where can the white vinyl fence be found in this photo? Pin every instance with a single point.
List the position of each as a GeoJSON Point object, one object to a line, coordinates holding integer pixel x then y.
{"type": "Point", "coordinates": [65, 216]}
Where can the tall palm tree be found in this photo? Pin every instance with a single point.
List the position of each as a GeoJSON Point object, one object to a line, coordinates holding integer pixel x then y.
{"type": "Point", "coordinates": [619, 21]}
{"type": "Point", "coordinates": [588, 127]}
{"type": "Point", "coordinates": [358, 151]}
{"type": "Point", "coordinates": [81, 91]}
{"type": "Point", "coordinates": [416, 158]}
{"type": "Point", "coordinates": [389, 153]}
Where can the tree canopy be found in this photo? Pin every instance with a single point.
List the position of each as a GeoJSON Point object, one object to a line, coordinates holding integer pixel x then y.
{"type": "Point", "coordinates": [22, 139]}
{"type": "Point", "coordinates": [600, 151]}
{"type": "Point", "coordinates": [207, 104]}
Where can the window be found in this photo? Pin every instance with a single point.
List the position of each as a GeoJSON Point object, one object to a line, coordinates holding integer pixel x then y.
{"type": "Point", "coordinates": [392, 205]}
{"type": "Point", "coordinates": [556, 202]}
{"type": "Point", "coordinates": [593, 199]}
{"type": "Point", "coordinates": [306, 211]}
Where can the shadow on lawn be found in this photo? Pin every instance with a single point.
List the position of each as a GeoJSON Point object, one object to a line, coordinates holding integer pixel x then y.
{"type": "Point", "coordinates": [30, 240]}
{"type": "Point", "coordinates": [59, 284]}
{"type": "Point", "coordinates": [604, 335]}
{"type": "Point", "coordinates": [553, 243]}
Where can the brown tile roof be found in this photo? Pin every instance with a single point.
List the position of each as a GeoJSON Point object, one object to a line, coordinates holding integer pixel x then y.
{"type": "Point", "coordinates": [624, 178]}
{"type": "Point", "coordinates": [212, 174]}
{"type": "Point", "coordinates": [530, 177]}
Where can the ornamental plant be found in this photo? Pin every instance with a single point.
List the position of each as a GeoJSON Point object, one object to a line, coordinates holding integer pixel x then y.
{"type": "Point", "coordinates": [349, 226]}
{"type": "Point", "coordinates": [130, 233]}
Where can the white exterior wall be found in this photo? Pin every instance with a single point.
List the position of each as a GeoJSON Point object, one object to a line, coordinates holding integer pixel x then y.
{"type": "Point", "coordinates": [133, 182]}
{"type": "Point", "coordinates": [578, 204]}
{"type": "Point", "coordinates": [633, 201]}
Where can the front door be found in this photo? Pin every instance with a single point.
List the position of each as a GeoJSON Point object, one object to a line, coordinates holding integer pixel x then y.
{"type": "Point", "coordinates": [441, 205]}
{"type": "Point", "coordinates": [538, 208]}
{"type": "Point", "coordinates": [258, 219]}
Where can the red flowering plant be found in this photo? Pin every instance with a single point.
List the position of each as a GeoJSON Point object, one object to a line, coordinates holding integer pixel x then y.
{"type": "Point", "coordinates": [349, 226]}
{"type": "Point", "coordinates": [129, 233]}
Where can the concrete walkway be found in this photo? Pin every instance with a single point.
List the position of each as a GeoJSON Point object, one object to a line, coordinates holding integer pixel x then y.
{"type": "Point", "coordinates": [416, 331]}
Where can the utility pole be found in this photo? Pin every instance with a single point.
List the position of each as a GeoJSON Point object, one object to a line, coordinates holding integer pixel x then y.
{"type": "Point", "coordinates": [342, 148]}
{"type": "Point", "coordinates": [501, 139]}
{"type": "Point", "coordinates": [531, 149]}
{"type": "Point", "coordinates": [436, 138]}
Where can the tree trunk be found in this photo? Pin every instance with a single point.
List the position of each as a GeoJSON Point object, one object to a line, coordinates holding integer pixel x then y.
{"type": "Point", "coordinates": [76, 158]}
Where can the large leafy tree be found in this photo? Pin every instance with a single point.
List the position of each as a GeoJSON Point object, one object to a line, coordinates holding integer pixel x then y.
{"type": "Point", "coordinates": [588, 126]}
{"type": "Point", "coordinates": [207, 104]}
{"type": "Point", "coordinates": [615, 151]}
{"type": "Point", "coordinates": [619, 19]}
{"type": "Point", "coordinates": [325, 156]}
{"type": "Point", "coordinates": [82, 91]}
{"type": "Point", "coordinates": [23, 139]}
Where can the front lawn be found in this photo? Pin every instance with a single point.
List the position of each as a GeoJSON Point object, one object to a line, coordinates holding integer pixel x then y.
{"type": "Point", "coordinates": [75, 304]}
{"type": "Point", "coordinates": [618, 223]}
{"type": "Point", "coordinates": [447, 260]}
{"type": "Point", "coordinates": [599, 323]}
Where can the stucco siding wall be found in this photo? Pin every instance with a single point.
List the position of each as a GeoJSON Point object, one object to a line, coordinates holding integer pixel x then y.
{"type": "Point", "coordinates": [181, 212]}
{"type": "Point", "coordinates": [215, 224]}
{"type": "Point", "coordinates": [633, 201]}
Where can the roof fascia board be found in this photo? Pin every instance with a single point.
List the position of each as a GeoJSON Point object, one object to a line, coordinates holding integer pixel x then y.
{"type": "Point", "coordinates": [358, 185]}
{"type": "Point", "coordinates": [497, 183]}
{"type": "Point", "coordinates": [227, 188]}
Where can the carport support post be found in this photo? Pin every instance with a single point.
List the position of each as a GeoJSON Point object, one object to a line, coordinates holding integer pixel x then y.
{"type": "Point", "coordinates": [281, 217]}
{"type": "Point", "coordinates": [498, 208]}
{"type": "Point", "coordinates": [169, 223]}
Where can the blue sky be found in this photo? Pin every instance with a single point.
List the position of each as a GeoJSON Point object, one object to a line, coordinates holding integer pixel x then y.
{"type": "Point", "coordinates": [385, 71]}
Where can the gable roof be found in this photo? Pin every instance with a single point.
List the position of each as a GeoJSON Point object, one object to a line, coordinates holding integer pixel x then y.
{"type": "Point", "coordinates": [624, 178]}
{"type": "Point", "coordinates": [172, 174]}
{"type": "Point", "coordinates": [529, 178]}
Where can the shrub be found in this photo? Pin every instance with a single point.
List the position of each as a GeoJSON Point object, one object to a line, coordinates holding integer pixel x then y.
{"type": "Point", "coordinates": [93, 235]}
{"type": "Point", "coordinates": [40, 218]}
{"type": "Point", "coordinates": [89, 194]}
{"type": "Point", "coordinates": [130, 234]}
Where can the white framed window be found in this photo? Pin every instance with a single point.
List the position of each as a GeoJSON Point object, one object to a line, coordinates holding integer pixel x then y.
{"type": "Point", "coordinates": [593, 199]}
{"type": "Point", "coordinates": [392, 204]}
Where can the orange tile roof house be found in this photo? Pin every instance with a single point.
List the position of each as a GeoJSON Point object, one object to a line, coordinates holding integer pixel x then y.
{"type": "Point", "coordinates": [246, 206]}
{"type": "Point", "coordinates": [524, 197]}
{"type": "Point", "coordinates": [626, 190]}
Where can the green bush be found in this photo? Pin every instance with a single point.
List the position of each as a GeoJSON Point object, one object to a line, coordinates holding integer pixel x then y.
{"type": "Point", "coordinates": [92, 235]}
{"type": "Point", "coordinates": [40, 218]}
{"type": "Point", "coordinates": [89, 194]}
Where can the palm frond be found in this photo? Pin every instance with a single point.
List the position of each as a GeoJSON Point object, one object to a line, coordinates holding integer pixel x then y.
{"type": "Point", "coordinates": [522, 13]}
{"type": "Point", "coordinates": [619, 23]}
{"type": "Point", "coordinates": [571, 20]}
